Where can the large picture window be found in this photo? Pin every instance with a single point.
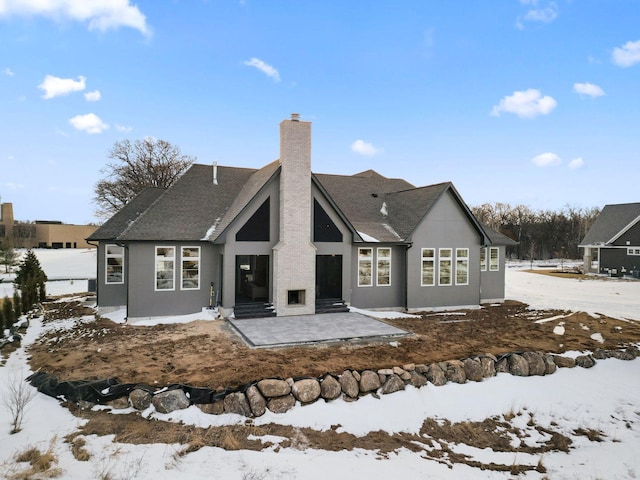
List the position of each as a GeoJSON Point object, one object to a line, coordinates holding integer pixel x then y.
{"type": "Point", "coordinates": [383, 274]}
{"type": "Point", "coordinates": [444, 266]}
{"type": "Point", "coordinates": [428, 266]}
{"type": "Point", "coordinates": [483, 259]}
{"type": "Point", "coordinates": [165, 268]}
{"type": "Point", "coordinates": [114, 264]}
{"type": "Point", "coordinates": [365, 266]}
{"type": "Point", "coordinates": [462, 266]}
{"type": "Point", "coordinates": [190, 272]}
{"type": "Point", "coordinates": [494, 259]}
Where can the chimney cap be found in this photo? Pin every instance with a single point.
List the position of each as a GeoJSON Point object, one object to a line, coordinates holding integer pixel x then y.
{"type": "Point", "coordinates": [295, 117]}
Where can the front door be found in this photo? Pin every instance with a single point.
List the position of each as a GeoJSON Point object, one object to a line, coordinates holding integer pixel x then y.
{"type": "Point", "coordinates": [329, 276]}
{"type": "Point", "coordinates": [252, 278]}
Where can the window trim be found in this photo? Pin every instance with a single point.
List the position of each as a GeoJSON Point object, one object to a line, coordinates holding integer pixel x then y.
{"type": "Point", "coordinates": [387, 259]}
{"type": "Point", "coordinates": [362, 259]}
{"type": "Point", "coordinates": [442, 259]}
{"type": "Point", "coordinates": [189, 259]}
{"type": "Point", "coordinates": [107, 256]}
{"type": "Point", "coordinates": [633, 251]}
{"type": "Point", "coordinates": [483, 259]}
{"type": "Point", "coordinates": [173, 272]}
{"type": "Point", "coordinates": [464, 260]}
{"type": "Point", "coordinates": [431, 258]}
{"type": "Point", "coordinates": [494, 266]}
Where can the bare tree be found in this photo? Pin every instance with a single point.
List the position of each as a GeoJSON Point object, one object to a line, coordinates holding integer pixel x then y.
{"type": "Point", "coordinates": [143, 163]}
{"type": "Point", "coordinates": [19, 394]}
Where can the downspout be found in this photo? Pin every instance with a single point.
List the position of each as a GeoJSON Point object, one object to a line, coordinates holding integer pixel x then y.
{"type": "Point", "coordinates": [97, 260]}
{"type": "Point", "coordinates": [126, 276]}
{"type": "Point", "coordinates": [406, 276]}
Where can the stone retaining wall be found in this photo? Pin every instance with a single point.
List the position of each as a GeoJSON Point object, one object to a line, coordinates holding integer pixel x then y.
{"type": "Point", "coordinates": [280, 395]}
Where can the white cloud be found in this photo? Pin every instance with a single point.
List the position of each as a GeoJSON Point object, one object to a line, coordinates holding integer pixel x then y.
{"type": "Point", "coordinates": [13, 186]}
{"type": "Point", "coordinates": [99, 14]}
{"type": "Point", "coordinates": [588, 89]}
{"type": "Point", "coordinates": [364, 148]}
{"type": "Point", "coordinates": [90, 123]}
{"type": "Point", "coordinates": [540, 14]}
{"type": "Point", "coordinates": [93, 96]}
{"type": "Point", "coordinates": [265, 68]}
{"type": "Point", "coordinates": [576, 163]}
{"type": "Point", "coordinates": [55, 87]}
{"type": "Point", "coordinates": [8, 72]}
{"type": "Point", "coordinates": [527, 104]}
{"type": "Point", "coordinates": [123, 128]}
{"type": "Point", "coordinates": [547, 159]}
{"type": "Point", "coordinates": [626, 55]}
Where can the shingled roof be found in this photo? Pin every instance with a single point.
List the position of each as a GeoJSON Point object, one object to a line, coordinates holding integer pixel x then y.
{"type": "Point", "coordinates": [613, 219]}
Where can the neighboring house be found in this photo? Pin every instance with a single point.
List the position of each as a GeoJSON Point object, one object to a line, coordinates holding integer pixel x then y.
{"type": "Point", "coordinates": [291, 239]}
{"type": "Point", "coordinates": [42, 233]}
{"type": "Point", "coordinates": [613, 242]}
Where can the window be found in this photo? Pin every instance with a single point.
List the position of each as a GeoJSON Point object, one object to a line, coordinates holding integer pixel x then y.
{"type": "Point", "coordinates": [428, 266]}
{"type": "Point", "coordinates": [114, 259]}
{"type": "Point", "coordinates": [633, 251]}
{"type": "Point", "coordinates": [384, 267]}
{"type": "Point", "coordinates": [444, 270]}
{"type": "Point", "coordinates": [494, 264]}
{"type": "Point", "coordinates": [365, 265]}
{"type": "Point", "coordinates": [190, 279]}
{"type": "Point", "coordinates": [483, 259]}
{"type": "Point", "coordinates": [165, 265]}
{"type": "Point", "coordinates": [462, 266]}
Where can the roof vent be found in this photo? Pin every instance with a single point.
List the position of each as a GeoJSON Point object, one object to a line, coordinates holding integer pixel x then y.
{"type": "Point", "coordinates": [295, 117]}
{"type": "Point", "coordinates": [215, 173]}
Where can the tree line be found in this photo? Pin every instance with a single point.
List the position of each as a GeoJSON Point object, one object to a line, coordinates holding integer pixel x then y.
{"type": "Point", "coordinates": [541, 234]}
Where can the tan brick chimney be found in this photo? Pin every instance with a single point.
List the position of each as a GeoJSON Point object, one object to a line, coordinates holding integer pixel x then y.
{"type": "Point", "coordinates": [6, 219]}
{"type": "Point", "coordinates": [294, 257]}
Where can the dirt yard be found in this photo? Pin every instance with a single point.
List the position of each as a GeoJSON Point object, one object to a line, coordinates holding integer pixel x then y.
{"type": "Point", "coordinates": [209, 354]}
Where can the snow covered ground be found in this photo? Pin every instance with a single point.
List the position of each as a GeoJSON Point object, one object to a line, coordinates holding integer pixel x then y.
{"type": "Point", "coordinates": [604, 398]}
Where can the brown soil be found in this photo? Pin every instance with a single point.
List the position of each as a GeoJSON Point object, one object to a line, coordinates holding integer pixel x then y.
{"type": "Point", "coordinates": [209, 354]}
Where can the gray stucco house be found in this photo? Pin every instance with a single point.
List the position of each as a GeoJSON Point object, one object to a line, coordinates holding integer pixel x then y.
{"type": "Point", "coordinates": [283, 239]}
{"type": "Point", "coordinates": [613, 241]}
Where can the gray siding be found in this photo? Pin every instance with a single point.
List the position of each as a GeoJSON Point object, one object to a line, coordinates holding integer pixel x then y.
{"type": "Point", "coordinates": [375, 296]}
{"type": "Point", "coordinates": [492, 282]}
{"type": "Point", "coordinates": [445, 226]}
{"type": "Point", "coordinates": [631, 237]}
{"type": "Point", "coordinates": [617, 258]}
{"type": "Point", "coordinates": [145, 301]}
{"type": "Point", "coordinates": [110, 295]}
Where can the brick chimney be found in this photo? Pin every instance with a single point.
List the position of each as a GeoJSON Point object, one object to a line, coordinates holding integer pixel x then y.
{"type": "Point", "coordinates": [6, 219]}
{"type": "Point", "coordinates": [294, 257]}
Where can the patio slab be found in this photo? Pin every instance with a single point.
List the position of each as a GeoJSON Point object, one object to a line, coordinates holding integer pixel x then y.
{"type": "Point", "coordinates": [303, 329]}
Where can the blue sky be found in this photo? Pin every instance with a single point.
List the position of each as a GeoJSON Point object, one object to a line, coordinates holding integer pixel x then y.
{"type": "Point", "coordinates": [515, 101]}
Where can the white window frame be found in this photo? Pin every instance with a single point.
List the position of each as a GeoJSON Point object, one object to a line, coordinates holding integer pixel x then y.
{"type": "Point", "coordinates": [194, 259]}
{"type": "Point", "coordinates": [362, 261]}
{"type": "Point", "coordinates": [462, 258]}
{"type": "Point", "coordinates": [494, 263]}
{"type": "Point", "coordinates": [442, 259]}
{"type": "Point", "coordinates": [108, 256]}
{"type": "Point", "coordinates": [166, 259]}
{"type": "Point", "coordinates": [483, 259]}
{"type": "Point", "coordinates": [633, 251]}
{"type": "Point", "coordinates": [428, 259]}
{"type": "Point", "coordinates": [381, 260]}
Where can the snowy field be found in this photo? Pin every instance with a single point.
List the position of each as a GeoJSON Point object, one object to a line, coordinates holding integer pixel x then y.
{"type": "Point", "coordinates": [605, 398]}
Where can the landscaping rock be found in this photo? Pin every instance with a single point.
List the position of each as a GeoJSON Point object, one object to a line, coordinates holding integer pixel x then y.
{"type": "Point", "coordinates": [349, 384]}
{"type": "Point", "coordinates": [502, 365]}
{"type": "Point", "coordinates": [369, 381]}
{"type": "Point", "coordinates": [306, 390]}
{"type": "Point", "coordinates": [536, 363]}
{"type": "Point", "coordinates": [472, 369]}
{"type": "Point", "coordinates": [281, 404]}
{"type": "Point", "coordinates": [170, 400]}
{"type": "Point", "coordinates": [237, 402]}
{"type": "Point", "coordinates": [417, 380]}
{"type": "Point", "coordinates": [633, 350]}
{"type": "Point", "coordinates": [119, 403]}
{"type": "Point", "coordinates": [436, 375]}
{"type": "Point", "coordinates": [564, 362]}
{"type": "Point", "coordinates": [215, 408]}
{"type": "Point", "coordinates": [330, 388]}
{"type": "Point", "coordinates": [272, 387]}
{"type": "Point", "coordinates": [600, 354]}
{"type": "Point", "coordinates": [398, 371]}
{"type": "Point", "coordinates": [422, 368]}
{"type": "Point", "coordinates": [257, 403]}
{"type": "Point", "coordinates": [140, 399]}
{"type": "Point", "coordinates": [622, 355]}
{"type": "Point", "coordinates": [455, 371]}
{"type": "Point", "coordinates": [518, 365]}
{"type": "Point", "coordinates": [549, 364]}
{"type": "Point", "coordinates": [585, 361]}
{"type": "Point", "coordinates": [356, 375]}
{"type": "Point", "coordinates": [393, 384]}
{"type": "Point", "coordinates": [385, 371]}
{"type": "Point", "coordinates": [488, 367]}
{"type": "Point", "coordinates": [409, 367]}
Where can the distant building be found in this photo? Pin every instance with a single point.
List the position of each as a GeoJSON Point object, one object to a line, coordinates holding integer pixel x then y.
{"type": "Point", "coordinates": [42, 233]}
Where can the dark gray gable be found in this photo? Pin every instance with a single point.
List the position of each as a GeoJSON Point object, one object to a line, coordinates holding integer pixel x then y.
{"type": "Point", "coordinates": [497, 238]}
{"type": "Point", "coordinates": [613, 219]}
{"type": "Point", "coordinates": [119, 222]}
{"type": "Point", "coordinates": [189, 209]}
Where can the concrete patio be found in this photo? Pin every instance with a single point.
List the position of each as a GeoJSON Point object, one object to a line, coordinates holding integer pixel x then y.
{"type": "Point", "coordinates": [306, 329]}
